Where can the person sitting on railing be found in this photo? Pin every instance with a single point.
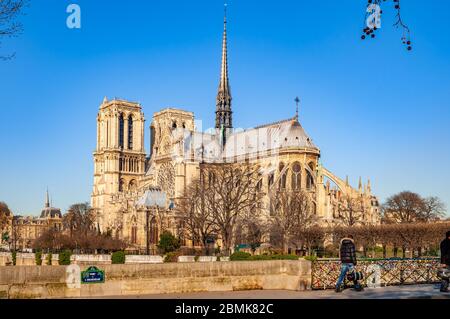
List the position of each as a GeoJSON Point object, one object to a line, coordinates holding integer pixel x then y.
{"type": "Point", "coordinates": [445, 261]}
{"type": "Point", "coordinates": [347, 255]}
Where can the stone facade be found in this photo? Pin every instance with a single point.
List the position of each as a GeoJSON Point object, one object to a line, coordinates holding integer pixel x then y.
{"type": "Point", "coordinates": [285, 154]}
{"type": "Point", "coordinates": [28, 282]}
{"type": "Point", "coordinates": [23, 230]}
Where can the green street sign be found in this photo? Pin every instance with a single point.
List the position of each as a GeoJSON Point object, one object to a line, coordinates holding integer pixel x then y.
{"type": "Point", "coordinates": [93, 275]}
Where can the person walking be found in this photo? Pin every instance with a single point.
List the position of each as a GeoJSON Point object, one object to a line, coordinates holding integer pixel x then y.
{"type": "Point", "coordinates": [445, 260]}
{"type": "Point", "coordinates": [347, 255]}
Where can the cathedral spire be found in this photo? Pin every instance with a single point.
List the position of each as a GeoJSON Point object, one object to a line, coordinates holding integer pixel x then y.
{"type": "Point", "coordinates": [223, 100]}
{"type": "Point", "coordinates": [47, 200]}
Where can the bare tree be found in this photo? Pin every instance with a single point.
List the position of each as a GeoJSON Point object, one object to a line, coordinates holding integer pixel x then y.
{"type": "Point", "coordinates": [434, 209]}
{"type": "Point", "coordinates": [10, 10]}
{"type": "Point", "coordinates": [251, 228]}
{"type": "Point", "coordinates": [311, 237]}
{"type": "Point", "coordinates": [351, 211]}
{"type": "Point", "coordinates": [291, 213]}
{"type": "Point", "coordinates": [197, 218]}
{"type": "Point", "coordinates": [79, 219]}
{"type": "Point", "coordinates": [405, 207]}
{"type": "Point", "coordinates": [366, 237]}
{"type": "Point", "coordinates": [232, 191]}
{"type": "Point", "coordinates": [16, 234]}
{"type": "Point", "coordinates": [383, 236]}
{"type": "Point", "coordinates": [52, 240]}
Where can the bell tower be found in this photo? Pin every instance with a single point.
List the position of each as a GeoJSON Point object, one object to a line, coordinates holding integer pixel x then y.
{"type": "Point", "coordinates": [119, 158]}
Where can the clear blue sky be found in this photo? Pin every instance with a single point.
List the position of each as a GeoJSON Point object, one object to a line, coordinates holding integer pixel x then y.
{"type": "Point", "coordinates": [374, 109]}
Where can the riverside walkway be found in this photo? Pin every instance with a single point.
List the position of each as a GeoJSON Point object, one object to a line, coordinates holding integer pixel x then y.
{"type": "Point", "coordinates": [390, 292]}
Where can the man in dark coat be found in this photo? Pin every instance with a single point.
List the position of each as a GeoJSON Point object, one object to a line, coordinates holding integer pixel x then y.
{"type": "Point", "coordinates": [445, 259]}
{"type": "Point", "coordinates": [347, 254]}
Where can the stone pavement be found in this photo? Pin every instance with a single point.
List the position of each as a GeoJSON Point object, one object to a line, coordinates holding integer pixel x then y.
{"type": "Point", "coordinates": [391, 292]}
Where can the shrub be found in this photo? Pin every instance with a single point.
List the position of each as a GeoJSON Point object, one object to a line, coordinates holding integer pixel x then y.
{"type": "Point", "coordinates": [239, 255]}
{"type": "Point", "coordinates": [168, 242]}
{"type": "Point", "coordinates": [273, 257]}
{"type": "Point", "coordinates": [49, 259]}
{"type": "Point", "coordinates": [171, 257]}
{"type": "Point", "coordinates": [38, 258]}
{"type": "Point", "coordinates": [64, 257]}
{"type": "Point", "coordinates": [118, 257]}
{"type": "Point", "coordinates": [14, 257]}
{"type": "Point", "coordinates": [310, 258]}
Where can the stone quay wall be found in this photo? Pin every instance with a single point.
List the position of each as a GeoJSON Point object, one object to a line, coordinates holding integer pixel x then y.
{"type": "Point", "coordinates": [121, 280]}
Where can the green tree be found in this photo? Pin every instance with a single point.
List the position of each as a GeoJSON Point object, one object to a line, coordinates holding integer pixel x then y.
{"type": "Point", "coordinates": [64, 257]}
{"type": "Point", "coordinates": [168, 242]}
{"type": "Point", "coordinates": [14, 257]}
{"type": "Point", "coordinates": [38, 257]}
{"type": "Point", "coordinates": [49, 259]}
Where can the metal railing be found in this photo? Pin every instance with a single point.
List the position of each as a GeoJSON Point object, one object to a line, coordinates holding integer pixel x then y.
{"type": "Point", "coordinates": [386, 272]}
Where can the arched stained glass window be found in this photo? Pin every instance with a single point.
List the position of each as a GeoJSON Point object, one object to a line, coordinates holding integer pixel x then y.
{"type": "Point", "coordinates": [296, 176]}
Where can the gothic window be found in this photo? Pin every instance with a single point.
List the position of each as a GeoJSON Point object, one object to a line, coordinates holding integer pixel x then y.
{"type": "Point", "coordinates": [259, 184]}
{"type": "Point", "coordinates": [309, 180]}
{"type": "Point", "coordinates": [120, 164]}
{"type": "Point", "coordinates": [180, 232]}
{"type": "Point", "coordinates": [133, 230]}
{"type": "Point", "coordinates": [282, 181]}
{"type": "Point", "coordinates": [130, 132]}
{"type": "Point", "coordinates": [296, 176]}
{"type": "Point", "coordinates": [134, 234]}
{"type": "Point", "coordinates": [121, 184]}
{"type": "Point", "coordinates": [309, 177]}
{"type": "Point", "coordinates": [270, 180]}
{"type": "Point", "coordinates": [121, 130]}
{"type": "Point", "coordinates": [154, 236]}
{"type": "Point", "coordinates": [132, 185]}
{"type": "Point", "coordinates": [107, 133]}
{"type": "Point", "coordinates": [211, 179]}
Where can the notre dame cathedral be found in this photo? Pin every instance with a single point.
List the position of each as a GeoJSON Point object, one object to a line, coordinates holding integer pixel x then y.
{"type": "Point", "coordinates": [124, 174]}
